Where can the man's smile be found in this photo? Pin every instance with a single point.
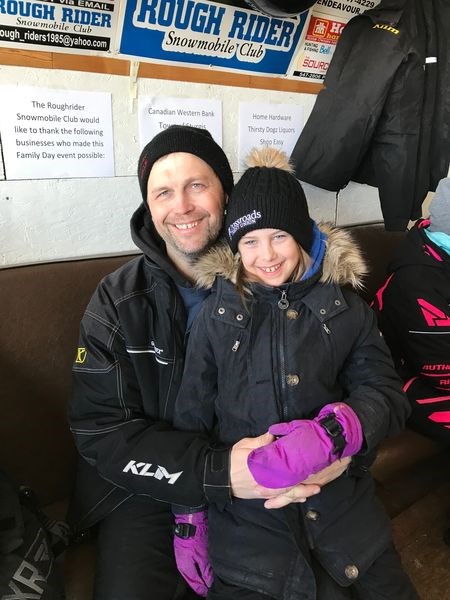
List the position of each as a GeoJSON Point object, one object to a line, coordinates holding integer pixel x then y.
{"type": "Point", "coordinates": [183, 226]}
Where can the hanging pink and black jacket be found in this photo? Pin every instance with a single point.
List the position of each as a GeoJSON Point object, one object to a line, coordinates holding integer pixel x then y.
{"type": "Point", "coordinates": [413, 308]}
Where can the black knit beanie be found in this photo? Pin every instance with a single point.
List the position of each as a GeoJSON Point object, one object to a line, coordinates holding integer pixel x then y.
{"type": "Point", "coordinates": [268, 197]}
{"type": "Point", "coordinates": [182, 138]}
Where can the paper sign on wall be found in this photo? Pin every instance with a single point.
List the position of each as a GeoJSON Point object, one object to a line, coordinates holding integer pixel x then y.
{"type": "Point", "coordinates": [53, 134]}
{"type": "Point", "coordinates": [273, 125]}
{"type": "Point", "coordinates": [156, 114]}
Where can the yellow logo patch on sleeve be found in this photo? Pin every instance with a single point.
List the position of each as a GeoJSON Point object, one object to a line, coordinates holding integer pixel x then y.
{"type": "Point", "coordinates": [81, 355]}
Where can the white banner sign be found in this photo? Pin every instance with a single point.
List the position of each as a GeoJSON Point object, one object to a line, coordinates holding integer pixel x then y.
{"type": "Point", "coordinates": [274, 125]}
{"type": "Point", "coordinates": [54, 134]}
{"type": "Point", "coordinates": [156, 114]}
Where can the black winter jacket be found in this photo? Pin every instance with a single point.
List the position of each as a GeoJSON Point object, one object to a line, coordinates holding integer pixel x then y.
{"type": "Point", "coordinates": [126, 379]}
{"type": "Point", "coordinates": [413, 309]}
{"type": "Point", "coordinates": [248, 367]}
{"type": "Point", "coordinates": [383, 117]}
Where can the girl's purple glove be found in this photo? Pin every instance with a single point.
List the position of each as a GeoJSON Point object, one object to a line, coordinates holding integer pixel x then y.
{"type": "Point", "coordinates": [304, 448]}
{"type": "Point", "coordinates": [191, 550]}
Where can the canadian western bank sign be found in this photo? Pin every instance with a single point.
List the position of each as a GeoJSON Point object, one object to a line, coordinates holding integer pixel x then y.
{"type": "Point", "coordinates": [207, 33]}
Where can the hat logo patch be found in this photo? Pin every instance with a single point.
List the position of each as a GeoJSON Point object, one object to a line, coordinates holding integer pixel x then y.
{"type": "Point", "coordinates": [245, 221]}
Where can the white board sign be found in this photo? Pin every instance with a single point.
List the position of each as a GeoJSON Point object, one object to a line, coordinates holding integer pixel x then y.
{"type": "Point", "coordinates": [54, 134]}
{"type": "Point", "coordinates": [274, 125]}
{"type": "Point", "coordinates": [156, 114]}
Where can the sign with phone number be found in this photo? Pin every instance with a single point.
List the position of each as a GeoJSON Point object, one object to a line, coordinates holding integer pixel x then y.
{"type": "Point", "coordinates": [344, 8]}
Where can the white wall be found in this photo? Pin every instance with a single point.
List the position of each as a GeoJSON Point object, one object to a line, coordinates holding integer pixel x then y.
{"type": "Point", "coordinates": [46, 220]}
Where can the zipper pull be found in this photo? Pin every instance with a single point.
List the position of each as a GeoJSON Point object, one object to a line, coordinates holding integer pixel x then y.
{"type": "Point", "coordinates": [237, 343]}
{"type": "Point", "coordinates": [283, 302]}
{"type": "Point", "coordinates": [324, 325]}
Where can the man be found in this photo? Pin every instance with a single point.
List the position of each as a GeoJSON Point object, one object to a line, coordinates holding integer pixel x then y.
{"type": "Point", "coordinates": [133, 335]}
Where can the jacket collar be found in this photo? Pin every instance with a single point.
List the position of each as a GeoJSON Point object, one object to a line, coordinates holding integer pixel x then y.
{"type": "Point", "coordinates": [343, 263]}
{"type": "Point", "coordinates": [324, 301]}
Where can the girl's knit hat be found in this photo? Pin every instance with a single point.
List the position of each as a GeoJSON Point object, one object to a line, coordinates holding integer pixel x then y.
{"type": "Point", "coordinates": [268, 196]}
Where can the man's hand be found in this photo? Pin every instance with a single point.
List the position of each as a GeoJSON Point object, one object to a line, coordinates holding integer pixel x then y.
{"type": "Point", "coordinates": [300, 492]}
{"type": "Point", "coordinates": [244, 486]}
{"type": "Point", "coordinates": [242, 483]}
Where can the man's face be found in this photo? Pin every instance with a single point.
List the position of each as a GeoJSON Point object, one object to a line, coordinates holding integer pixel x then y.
{"type": "Point", "coordinates": [186, 202]}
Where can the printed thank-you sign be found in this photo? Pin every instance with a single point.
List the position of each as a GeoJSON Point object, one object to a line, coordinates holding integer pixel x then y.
{"type": "Point", "coordinates": [157, 114]}
{"type": "Point", "coordinates": [211, 34]}
{"type": "Point", "coordinates": [53, 134]}
{"type": "Point", "coordinates": [273, 125]}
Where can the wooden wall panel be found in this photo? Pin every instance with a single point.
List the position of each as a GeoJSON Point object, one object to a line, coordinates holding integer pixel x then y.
{"type": "Point", "coordinates": [26, 58]}
{"type": "Point", "coordinates": [120, 66]}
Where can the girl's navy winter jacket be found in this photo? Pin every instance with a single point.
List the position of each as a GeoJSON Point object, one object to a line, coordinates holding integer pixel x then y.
{"type": "Point", "coordinates": [250, 365]}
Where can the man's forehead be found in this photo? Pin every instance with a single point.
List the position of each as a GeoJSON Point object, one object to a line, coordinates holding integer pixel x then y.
{"type": "Point", "coordinates": [180, 156]}
{"type": "Point", "coordinates": [180, 166]}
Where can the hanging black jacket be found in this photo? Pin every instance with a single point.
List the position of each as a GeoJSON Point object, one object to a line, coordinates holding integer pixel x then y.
{"type": "Point", "coordinates": [248, 367]}
{"type": "Point", "coordinates": [413, 309]}
{"type": "Point", "coordinates": [383, 117]}
{"type": "Point", "coordinates": [126, 378]}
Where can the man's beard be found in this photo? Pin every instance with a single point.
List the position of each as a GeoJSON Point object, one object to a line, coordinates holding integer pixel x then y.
{"type": "Point", "coordinates": [193, 255]}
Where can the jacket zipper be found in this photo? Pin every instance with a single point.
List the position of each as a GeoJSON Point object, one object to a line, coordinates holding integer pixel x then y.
{"type": "Point", "coordinates": [175, 355]}
{"type": "Point", "coordinates": [283, 304]}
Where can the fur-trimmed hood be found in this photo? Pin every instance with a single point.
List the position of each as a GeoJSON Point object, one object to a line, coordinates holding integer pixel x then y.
{"type": "Point", "coordinates": [343, 263]}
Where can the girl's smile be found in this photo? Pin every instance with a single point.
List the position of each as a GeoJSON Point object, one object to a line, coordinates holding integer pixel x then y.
{"type": "Point", "coordinates": [269, 256]}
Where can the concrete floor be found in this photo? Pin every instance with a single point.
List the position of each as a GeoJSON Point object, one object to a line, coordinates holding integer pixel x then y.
{"type": "Point", "coordinates": [418, 537]}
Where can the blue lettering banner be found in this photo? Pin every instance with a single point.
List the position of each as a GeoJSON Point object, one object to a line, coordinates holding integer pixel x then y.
{"type": "Point", "coordinates": [208, 33]}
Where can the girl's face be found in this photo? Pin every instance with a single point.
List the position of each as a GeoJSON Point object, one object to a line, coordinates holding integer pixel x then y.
{"type": "Point", "coordinates": [269, 256]}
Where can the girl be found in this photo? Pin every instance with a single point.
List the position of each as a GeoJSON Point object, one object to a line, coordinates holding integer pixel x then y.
{"type": "Point", "coordinates": [279, 345]}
